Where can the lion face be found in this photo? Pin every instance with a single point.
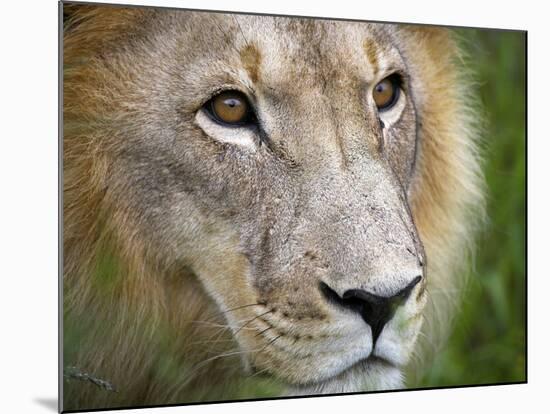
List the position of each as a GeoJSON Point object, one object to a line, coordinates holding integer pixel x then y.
{"type": "Point", "coordinates": [274, 159]}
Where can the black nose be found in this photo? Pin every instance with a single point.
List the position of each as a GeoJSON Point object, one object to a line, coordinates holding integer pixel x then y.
{"type": "Point", "coordinates": [375, 310]}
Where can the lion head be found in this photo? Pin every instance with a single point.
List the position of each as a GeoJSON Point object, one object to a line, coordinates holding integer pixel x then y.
{"type": "Point", "coordinates": [258, 196]}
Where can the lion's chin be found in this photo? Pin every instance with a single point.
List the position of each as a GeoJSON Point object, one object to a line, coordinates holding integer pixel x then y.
{"type": "Point", "coordinates": [371, 374]}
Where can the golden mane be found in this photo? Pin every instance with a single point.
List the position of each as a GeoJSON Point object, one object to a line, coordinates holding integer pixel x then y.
{"type": "Point", "coordinates": [447, 197]}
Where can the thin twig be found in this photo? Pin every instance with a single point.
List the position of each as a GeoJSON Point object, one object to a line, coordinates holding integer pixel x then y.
{"type": "Point", "coordinates": [75, 373]}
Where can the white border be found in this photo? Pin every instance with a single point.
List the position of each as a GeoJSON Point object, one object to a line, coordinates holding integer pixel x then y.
{"type": "Point", "coordinates": [28, 207]}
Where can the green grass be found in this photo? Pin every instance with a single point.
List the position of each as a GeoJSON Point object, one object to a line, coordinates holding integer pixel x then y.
{"type": "Point", "coordinates": [488, 344]}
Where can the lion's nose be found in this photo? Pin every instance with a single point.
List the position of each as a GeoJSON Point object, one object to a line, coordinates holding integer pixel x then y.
{"type": "Point", "coordinates": [375, 310]}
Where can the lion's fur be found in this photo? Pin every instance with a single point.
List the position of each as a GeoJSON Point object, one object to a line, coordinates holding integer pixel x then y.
{"type": "Point", "coordinates": [448, 205]}
{"type": "Point", "coordinates": [125, 317]}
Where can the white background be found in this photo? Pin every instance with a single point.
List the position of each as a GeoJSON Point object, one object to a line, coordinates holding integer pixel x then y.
{"type": "Point", "coordinates": [28, 204]}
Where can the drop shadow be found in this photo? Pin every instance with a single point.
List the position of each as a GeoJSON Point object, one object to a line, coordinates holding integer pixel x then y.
{"type": "Point", "coordinates": [49, 403]}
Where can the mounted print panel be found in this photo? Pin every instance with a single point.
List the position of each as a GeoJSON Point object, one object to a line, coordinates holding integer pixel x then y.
{"type": "Point", "coordinates": [263, 206]}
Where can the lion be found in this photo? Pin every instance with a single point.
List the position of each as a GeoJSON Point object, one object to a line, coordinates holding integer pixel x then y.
{"type": "Point", "coordinates": [258, 205]}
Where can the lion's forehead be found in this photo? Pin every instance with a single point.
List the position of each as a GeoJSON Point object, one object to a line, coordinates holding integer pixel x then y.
{"type": "Point", "coordinates": [275, 48]}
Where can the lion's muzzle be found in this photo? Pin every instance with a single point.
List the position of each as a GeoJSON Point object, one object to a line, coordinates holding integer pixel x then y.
{"type": "Point", "coordinates": [375, 310]}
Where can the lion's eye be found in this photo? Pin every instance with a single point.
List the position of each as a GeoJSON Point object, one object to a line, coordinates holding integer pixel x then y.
{"type": "Point", "coordinates": [386, 92]}
{"type": "Point", "coordinates": [230, 108]}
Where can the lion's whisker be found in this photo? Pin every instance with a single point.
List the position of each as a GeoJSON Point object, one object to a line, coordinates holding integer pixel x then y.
{"type": "Point", "coordinates": [262, 332]}
{"type": "Point", "coordinates": [216, 325]}
{"type": "Point", "coordinates": [211, 341]}
{"type": "Point", "coordinates": [251, 320]}
{"type": "Point", "coordinates": [257, 373]}
{"type": "Point", "coordinates": [233, 309]}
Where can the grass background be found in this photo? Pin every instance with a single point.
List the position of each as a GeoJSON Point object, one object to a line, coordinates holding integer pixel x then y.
{"type": "Point", "coordinates": [488, 344]}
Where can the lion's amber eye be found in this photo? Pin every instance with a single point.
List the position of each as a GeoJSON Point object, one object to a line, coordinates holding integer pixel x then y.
{"type": "Point", "coordinates": [230, 107]}
{"type": "Point", "coordinates": [385, 93]}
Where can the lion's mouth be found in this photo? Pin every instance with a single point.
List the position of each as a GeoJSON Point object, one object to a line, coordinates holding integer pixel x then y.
{"type": "Point", "coordinates": [375, 359]}
{"type": "Point", "coordinates": [366, 374]}
{"type": "Point", "coordinates": [360, 368]}
{"type": "Point", "coordinates": [365, 363]}
{"type": "Point", "coordinates": [301, 356]}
